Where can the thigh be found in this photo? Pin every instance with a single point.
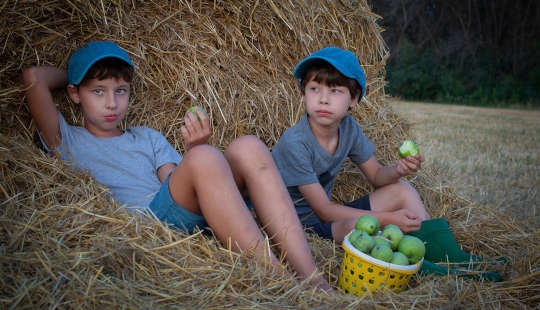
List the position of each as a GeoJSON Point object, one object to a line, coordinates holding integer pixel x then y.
{"type": "Point", "coordinates": [168, 211]}
{"type": "Point", "coordinates": [387, 198]}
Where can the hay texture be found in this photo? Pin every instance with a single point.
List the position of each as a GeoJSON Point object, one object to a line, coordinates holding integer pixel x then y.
{"type": "Point", "coordinates": [64, 244]}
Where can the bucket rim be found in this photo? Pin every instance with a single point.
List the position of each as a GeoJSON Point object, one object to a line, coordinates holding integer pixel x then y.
{"type": "Point", "coordinates": [408, 268]}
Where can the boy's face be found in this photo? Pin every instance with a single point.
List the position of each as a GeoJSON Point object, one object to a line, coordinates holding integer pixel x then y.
{"type": "Point", "coordinates": [104, 104]}
{"type": "Point", "coordinates": [327, 105]}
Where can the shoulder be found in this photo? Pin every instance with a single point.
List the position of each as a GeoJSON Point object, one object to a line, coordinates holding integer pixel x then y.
{"type": "Point", "coordinates": [295, 135]}
{"type": "Point", "coordinates": [350, 122]}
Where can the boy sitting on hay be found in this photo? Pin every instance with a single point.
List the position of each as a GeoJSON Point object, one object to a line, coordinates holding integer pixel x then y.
{"type": "Point", "coordinates": [310, 154]}
{"type": "Point", "coordinates": [144, 172]}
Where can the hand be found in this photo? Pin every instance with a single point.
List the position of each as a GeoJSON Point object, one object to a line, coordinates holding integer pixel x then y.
{"type": "Point", "coordinates": [406, 220]}
{"type": "Point", "coordinates": [409, 165]}
{"type": "Point", "coordinates": [195, 132]}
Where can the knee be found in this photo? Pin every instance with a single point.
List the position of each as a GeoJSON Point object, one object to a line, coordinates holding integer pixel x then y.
{"type": "Point", "coordinates": [247, 148]}
{"type": "Point", "coordinates": [412, 199]}
{"type": "Point", "coordinates": [203, 156]}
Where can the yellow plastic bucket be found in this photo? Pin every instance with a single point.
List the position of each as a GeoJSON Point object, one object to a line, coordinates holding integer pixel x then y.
{"type": "Point", "coordinates": [361, 273]}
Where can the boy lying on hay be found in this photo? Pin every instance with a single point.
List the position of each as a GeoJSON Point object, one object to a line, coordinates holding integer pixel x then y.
{"type": "Point", "coordinates": [203, 188]}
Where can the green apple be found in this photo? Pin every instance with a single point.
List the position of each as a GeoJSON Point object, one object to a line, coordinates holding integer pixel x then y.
{"type": "Point", "coordinates": [399, 258]}
{"type": "Point", "coordinates": [393, 234]}
{"type": "Point", "coordinates": [408, 148]}
{"type": "Point", "coordinates": [368, 223]}
{"type": "Point", "coordinates": [197, 107]}
{"type": "Point", "coordinates": [382, 240]}
{"type": "Point", "coordinates": [382, 252]}
{"type": "Point", "coordinates": [413, 248]}
{"type": "Point", "coordinates": [354, 235]}
{"type": "Point", "coordinates": [363, 242]}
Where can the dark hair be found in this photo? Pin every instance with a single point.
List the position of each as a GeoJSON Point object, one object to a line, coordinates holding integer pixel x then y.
{"type": "Point", "coordinates": [322, 72]}
{"type": "Point", "coordinates": [109, 67]}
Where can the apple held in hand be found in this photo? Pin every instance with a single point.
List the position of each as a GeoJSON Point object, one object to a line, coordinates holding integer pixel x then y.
{"type": "Point", "coordinates": [197, 107]}
{"type": "Point", "coordinates": [393, 234]}
{"type": "Point", "coordinates": [413, 248]}
{"type": "Point", "coordinates": [368, 223]}
{"type": "Point", "coordinates": [408, 148]}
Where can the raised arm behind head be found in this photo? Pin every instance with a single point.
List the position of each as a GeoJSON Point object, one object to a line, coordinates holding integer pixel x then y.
{"type": "Point", "coordinates": [39, 83]}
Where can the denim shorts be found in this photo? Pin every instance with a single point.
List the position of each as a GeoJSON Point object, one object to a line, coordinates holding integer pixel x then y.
{"type": "Point", "coordinates": [324, 229]}
{"type": "Point", "coordinates": [166, 210]}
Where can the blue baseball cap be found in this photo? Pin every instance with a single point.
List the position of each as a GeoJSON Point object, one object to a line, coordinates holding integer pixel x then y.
{"type": "Point", "coordinates": [344, 61]}
{"type": "Point", "coordinates": [81, 61]}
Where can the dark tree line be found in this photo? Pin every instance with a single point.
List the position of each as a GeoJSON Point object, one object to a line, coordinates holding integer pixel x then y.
{"type": "Point", "coordinates": [465, 50]}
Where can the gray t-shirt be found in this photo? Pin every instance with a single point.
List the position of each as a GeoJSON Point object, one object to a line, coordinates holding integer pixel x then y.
{"type": "Point", "coordinates": [301, 160]}
{"type": "Point", "coordinates": [126, 164]}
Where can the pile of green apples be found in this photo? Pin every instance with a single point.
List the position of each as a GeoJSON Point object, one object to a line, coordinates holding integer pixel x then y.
{"type": "Point", "coordinates": [389, 244]}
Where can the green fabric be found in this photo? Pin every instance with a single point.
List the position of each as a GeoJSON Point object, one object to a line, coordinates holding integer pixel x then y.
{"type": "Point", "coordinates": [429, 268]}
{"type": "Point", "coordinates": [441, 246]}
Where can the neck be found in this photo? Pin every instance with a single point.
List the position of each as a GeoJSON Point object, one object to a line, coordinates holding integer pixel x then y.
{"type": "Point", "coordinates": [327, 136]}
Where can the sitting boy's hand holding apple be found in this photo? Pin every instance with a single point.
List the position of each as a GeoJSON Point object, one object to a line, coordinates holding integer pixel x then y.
{"type": "Point", "coordinates": [411, 160]}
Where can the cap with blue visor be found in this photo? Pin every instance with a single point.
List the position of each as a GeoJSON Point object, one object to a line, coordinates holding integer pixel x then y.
{"type": "Point", "coordinates": [343, 60]}
{"type": "Point", "coordinates": [81, 61]}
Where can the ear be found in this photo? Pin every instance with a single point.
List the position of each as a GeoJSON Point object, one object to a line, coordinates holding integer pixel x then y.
{"type": "Point", "coordinates": [73, 92]}
{"type": "Point", "coordinates": [354, 101]}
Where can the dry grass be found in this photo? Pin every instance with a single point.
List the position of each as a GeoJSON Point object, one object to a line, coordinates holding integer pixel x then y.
{"type": "Point", "coordinates": [490, 156]}
{"type": "Point", "coordinates": [64, 244]}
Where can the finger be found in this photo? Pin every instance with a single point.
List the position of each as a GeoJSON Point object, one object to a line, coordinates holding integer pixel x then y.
{"type": "Point", "coordinates": [191, 123]}
{"type": "Point", "coordinates": [412, 165]}
{"type": "Point", "coordinates": [204, 121]}
{"type": "Point", "coordinates": [185, 134]}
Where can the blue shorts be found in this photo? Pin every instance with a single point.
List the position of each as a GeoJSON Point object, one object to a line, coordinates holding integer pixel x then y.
{"type": "Point", "coordinates": [324, 229]}
{"type": "Point", "coordinates": [166, 210]}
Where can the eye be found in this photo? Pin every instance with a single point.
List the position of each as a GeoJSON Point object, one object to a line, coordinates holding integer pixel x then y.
{"type": "Point", "coordinates": [336, 91]}
{"type": "Point", "coordinates": [121, 91]}
{"type": "Point", "coordinates": [98, 91]}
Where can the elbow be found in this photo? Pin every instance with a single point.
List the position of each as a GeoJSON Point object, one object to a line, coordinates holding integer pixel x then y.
{"type": "Point", "coordinates": [30, 77]}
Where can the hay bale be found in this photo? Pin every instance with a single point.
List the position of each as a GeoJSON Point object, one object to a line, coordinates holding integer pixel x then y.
{"type": "Point", "coordinates": [64, 244]}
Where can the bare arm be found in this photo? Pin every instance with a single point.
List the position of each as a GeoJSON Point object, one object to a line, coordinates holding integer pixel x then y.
{"type": "Point", "coordinates": [164, 171]}
{"type": "Point", "coordinates": [328, 211]}
{"type": "Point", "coordinates": [39, 83]}
{"type": "Point", "coordinates": [379, 175]}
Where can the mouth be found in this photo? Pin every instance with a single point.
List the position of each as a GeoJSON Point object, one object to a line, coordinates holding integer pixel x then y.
{"type": "Point", "coordinates": [111, 118]}
{"type": "Point", "coordinates": [323, 113]}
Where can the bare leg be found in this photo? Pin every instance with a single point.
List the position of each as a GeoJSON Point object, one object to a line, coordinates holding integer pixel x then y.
{"type": "Point", "coordinates": [203, 184]}
{"type": "Point", "coordinates": [254, 169]}
{"type": "Point", "coordinates": [398, 196]}
{"type": "Point", "coordinates": [388, 198]}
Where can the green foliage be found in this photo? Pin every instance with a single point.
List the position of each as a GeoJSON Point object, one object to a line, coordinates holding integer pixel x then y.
{"type": "Point", "coordinates": [419, 75]}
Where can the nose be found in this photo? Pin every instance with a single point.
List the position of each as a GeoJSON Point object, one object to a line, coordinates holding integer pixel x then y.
{"type": "Point", "coordinates": [324, 96]}
{"type": "Point", "coordinates": [110, 101]}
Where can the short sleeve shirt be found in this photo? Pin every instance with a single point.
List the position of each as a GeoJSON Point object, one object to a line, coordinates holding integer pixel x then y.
{"type": "Point", "coordinates": [126, 164]}
{"type": "Point", "coordinates": [301, 160]}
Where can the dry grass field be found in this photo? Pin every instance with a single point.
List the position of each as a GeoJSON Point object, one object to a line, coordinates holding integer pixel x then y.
{"type": "Point", "coordinates": [491, 156]}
